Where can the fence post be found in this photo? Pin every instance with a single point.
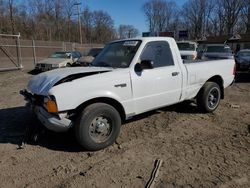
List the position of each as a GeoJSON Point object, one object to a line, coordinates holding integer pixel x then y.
{"type": "Point", "coordinates": [73, 46]}
{"type": "Point", "coordinates": [19, 57]}
{"type": "Point", "coordinates": [63, 46]}
{"type": "Point", "coordinates": [34, 51]}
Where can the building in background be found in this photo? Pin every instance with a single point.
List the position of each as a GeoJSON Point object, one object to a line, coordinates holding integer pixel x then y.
{"type": "Point", "coordinates": [236, 42]}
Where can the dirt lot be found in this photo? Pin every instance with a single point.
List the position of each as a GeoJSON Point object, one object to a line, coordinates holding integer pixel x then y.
{"type": "Point", "coordinates": [198, 150]}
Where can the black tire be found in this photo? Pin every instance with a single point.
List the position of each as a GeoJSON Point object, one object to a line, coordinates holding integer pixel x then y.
{"type": "Point", "coordinates": [209, 96]}
{"type": "Point", "coordinates": [68, 65]}
{"type": "Point", "coordinates": [98, 126]}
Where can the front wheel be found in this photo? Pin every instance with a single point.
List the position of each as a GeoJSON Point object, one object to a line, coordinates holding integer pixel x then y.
{"type": "Point", "coordinates": [98, 126]}
{"type": "Point", "coordinates": [209, 97]}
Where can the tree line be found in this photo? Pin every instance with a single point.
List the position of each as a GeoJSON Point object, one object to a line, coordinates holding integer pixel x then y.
{"type": "Point", "coordinates": [200, 17]}
{"type": "Point", "coordinates": [58, 19]}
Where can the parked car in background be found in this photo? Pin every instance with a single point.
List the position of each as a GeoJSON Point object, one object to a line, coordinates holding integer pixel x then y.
{"type": "Point", "coordinates": [200, 50]}
{"type": "Point", "coordinates": [86, 60]}
{"type": "Point", "coordinates": [188, 49]}
{"type": "Point", "coordinates": [58, 60]}
{"type": "Point", "coordinates": [217, 51]}
{"type": "Point", "coordinates": [242, 59]}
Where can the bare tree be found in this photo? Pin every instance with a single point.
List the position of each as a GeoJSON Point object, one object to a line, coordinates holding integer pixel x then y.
{"type": "Point", "coordinates": [58, 9]}
{"type": "Point", "coordinates": [246, 15]}
{"type": "Point", "coordinates": [2, 16]}
{"type": "Point", "coordinates": [216, 21]}
{"type": "Point", "coordinates": [127, 31]}
{"type": "Point", "coordinates": [248, 18]}
{"type": "Point", "coordinates": [232, 9]}
{"type": "Point", "coordinates": [196, 14]}
{"type": "Point", "coordinates": [68, 10]}
{"type": "Point", "coordinates": [87, 23]}
{"type": "Point", "coordinates": [103, 26]}
{"type": "Point", "coordinates": [159, 14]}
{"type": "Point", "coordinates": [11, 11]}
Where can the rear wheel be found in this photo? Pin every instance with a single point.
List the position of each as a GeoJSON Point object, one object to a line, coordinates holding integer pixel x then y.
{"type": "Point", "coordinates": [98, 126]}
{"type": "Point", "coordinates": [209, 97]}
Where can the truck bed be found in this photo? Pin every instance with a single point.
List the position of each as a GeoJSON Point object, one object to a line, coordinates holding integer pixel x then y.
{"type": "Point", "coordinates": [200, 61]}
{"type": "Point", "coordinates": [200, 71]}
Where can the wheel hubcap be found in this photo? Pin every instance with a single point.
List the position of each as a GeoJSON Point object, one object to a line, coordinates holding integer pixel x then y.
{"type": "Point", "coordinates": [100, 129]}
{"type": "Point", "coordinates": [213, 98]}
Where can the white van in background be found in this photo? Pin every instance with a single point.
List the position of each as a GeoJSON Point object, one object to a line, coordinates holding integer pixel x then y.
{"type": "Point", "coordinates": [188, 49]}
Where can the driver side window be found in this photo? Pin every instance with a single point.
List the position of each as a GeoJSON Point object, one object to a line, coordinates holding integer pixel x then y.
{"type": "Point", "coordinates": [159, 52]}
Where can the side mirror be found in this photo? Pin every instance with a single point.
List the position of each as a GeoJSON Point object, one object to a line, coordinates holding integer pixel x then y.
{"type": "Point", "coordinates": [145, 64]}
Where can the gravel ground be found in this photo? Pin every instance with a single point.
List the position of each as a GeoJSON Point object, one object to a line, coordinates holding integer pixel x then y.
{"type": "Point", "coordinates": [198, 150]}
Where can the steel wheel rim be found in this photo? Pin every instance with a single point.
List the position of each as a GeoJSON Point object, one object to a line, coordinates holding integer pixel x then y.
{"type": "Point", "coordinates": [100, 129]}
{"type": "Point", "coordinates": [213, 98]}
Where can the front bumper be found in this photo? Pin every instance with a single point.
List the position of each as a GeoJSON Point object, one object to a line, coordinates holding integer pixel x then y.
{"type": "Point", "coordinates": [51, 121]}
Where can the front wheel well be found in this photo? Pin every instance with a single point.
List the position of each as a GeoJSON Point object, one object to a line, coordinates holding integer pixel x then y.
{"type": "Point", "coordinates": [112, 102]}
{"type": "Point", "coordinates": [218, 79]}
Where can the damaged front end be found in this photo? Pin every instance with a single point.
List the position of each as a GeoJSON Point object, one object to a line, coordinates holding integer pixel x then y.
{"type": "Point", "coordinates": [46, 111]}
{"type": "Point", "coordinates": [46, 105]}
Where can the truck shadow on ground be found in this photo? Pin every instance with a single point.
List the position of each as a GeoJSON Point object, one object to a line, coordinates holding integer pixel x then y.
{"type": "Point", "coordinates": [19, 124]}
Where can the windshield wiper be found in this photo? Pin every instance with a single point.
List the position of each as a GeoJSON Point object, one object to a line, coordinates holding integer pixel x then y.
{"type": "Point", "coordinates": [101, 64]}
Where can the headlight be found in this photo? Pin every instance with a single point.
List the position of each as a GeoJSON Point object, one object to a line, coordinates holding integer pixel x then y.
{"type": "Point", "coordinates": [55, 65]}
{"type": "Point", "coordinates": [50, 104]}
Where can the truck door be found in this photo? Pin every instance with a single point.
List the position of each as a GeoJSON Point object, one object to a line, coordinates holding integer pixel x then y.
{"type": "Point", "coordinates": [159, 86]}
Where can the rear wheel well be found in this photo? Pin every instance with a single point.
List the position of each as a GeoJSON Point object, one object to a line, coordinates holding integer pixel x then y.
{"type": "Point", "coordinates": [217, 79]}
{"type": "Point", "coordinates": [106, 100]}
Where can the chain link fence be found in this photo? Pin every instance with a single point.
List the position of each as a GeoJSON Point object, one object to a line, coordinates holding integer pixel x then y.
{"type": "Point", "coordinates": [16, 53]}
{"type": "Point", "coordinates": [10, 52]}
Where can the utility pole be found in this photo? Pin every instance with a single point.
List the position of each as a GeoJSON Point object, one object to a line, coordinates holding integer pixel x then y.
{"type": "Point", "coordinates": [79, 21]}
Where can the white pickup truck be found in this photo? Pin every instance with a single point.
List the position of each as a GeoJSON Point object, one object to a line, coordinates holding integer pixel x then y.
{"type": "Point", "coordinates": [127, 78]}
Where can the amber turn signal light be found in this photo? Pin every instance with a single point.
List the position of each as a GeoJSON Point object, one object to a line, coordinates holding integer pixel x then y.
{"type": "Point", "coordinates": [51, 106]}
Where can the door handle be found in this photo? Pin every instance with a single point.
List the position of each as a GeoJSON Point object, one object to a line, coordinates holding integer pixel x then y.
{"type": "Point", "coordinates": [175, 73]}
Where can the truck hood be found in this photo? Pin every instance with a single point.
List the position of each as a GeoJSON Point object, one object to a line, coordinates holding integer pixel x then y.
{"type": "Point", "coordinates": [42, 83]}
{"type": "Point", "coordinates": [53, 60]}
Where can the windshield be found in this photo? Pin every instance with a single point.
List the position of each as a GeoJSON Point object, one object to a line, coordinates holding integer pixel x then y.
{"type": "Point", "coordinates": [94, 52]}
{"type": "Point", "coordinates": [60, 55]}
{"type": "Point", "coordinates": [186, 46]}
{"type": "Point", "coordinates": [117, 54]}
{"type": "Point", "coordinates": [219, 49]}
{"type": "Point", "coordinates": [244, 54]}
